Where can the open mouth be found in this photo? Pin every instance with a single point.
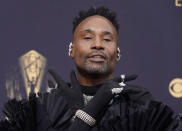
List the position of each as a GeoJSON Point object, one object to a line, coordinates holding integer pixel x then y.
{"type": "Point", "coordinates": [97, 57]}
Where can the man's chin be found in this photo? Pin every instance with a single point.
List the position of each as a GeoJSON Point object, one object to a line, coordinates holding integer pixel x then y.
{"type": "Point", "coordinates": [95, 71]}
{"type": "Point", "coordinates": [94, 68]}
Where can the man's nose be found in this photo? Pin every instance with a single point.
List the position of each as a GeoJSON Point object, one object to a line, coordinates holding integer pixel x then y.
{"type": "Point", "coordinates": [97, 44]}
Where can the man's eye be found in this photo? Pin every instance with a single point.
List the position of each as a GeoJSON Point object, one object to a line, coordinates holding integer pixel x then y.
{"type": "Point", "coordinates": [87, 38]}
{"type": "Point", "coordinates": [108, 40]}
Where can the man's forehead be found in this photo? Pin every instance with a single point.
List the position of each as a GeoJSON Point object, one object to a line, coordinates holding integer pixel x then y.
{"type": "Point", "coordinates": [96, 24]}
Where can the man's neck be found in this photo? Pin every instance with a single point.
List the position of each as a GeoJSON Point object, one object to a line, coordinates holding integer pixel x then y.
{"type": "Point", "coordinates": [87, 80]}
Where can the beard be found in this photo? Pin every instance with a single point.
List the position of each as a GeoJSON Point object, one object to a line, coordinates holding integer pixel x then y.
{"type": "Point", "coordinates": [95, 69]}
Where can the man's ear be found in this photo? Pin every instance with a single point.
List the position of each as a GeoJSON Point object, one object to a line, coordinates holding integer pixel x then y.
{"type": "Point", "coordinates": [118, 54]}
{"type": "Point", "coordinates": [72, 51]}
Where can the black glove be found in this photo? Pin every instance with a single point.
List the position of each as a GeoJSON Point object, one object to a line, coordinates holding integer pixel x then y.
{"type": "Point", "coordinates": [133, 93]}
{"type": "Point", "coordinates": [100, 101]}
{"type": "Point", "coordinates": [104, 95]}
{"type": "Point", "coordinates": [126, 79]}
{"type": "Point", "coordinates": [73, 95]}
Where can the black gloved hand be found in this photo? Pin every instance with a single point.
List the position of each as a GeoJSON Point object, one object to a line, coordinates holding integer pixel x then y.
{"type": "Point", "coordinates": [103, 96]}
{"type": "Point", "coordinates": [73, 95]}
{"type": "Point", "coordinates": [134, 93]}
{"type": "Point", "coordinates": [101, 99]}
{"type": "Point", "coordinates": [126, 79]}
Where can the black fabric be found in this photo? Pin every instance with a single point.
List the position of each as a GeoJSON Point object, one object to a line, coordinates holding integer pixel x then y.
{"type": "Point", "coordinates": [53, 112]}
{"type": "Point", "coordinates": [133, 110]}
{"type": "Point", "coordinates": [121, 116]}
{"type": "Point", "coordinates": [137, 94]}
{"type": "Point", "coordinates": [90, 90]}
{"type": "Point", "coordinates": [4, 125]}
{"type": "Point", "coordinates": [21, 115]}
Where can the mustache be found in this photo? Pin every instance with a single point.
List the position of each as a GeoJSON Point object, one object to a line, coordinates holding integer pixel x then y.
{"type": "Point", "coordinates": [99, 52]}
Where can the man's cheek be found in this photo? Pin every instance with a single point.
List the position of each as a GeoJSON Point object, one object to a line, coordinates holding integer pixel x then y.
{"type": "Point", "coordinates": [113, 57]}
{"type": "Point", "coordinates": [80, 58]}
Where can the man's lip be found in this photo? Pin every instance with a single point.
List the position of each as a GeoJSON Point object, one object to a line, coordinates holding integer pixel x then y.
{"type": "Point", "coordinates": [96, 54]}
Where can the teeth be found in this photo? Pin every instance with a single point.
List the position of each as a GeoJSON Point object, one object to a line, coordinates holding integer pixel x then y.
{"type": "Point", "coordinates": [97, 57]}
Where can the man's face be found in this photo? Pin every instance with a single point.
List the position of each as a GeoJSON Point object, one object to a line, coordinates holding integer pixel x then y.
{"type": "Point", "coordinates": [95, 46]}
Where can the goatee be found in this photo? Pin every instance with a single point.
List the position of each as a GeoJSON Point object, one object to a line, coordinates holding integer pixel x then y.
{"type": "Point", "coordinates": [95, 69]}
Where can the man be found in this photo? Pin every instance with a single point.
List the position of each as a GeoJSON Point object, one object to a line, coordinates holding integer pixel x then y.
{"type": "Point", "coordinates": [96, 101]}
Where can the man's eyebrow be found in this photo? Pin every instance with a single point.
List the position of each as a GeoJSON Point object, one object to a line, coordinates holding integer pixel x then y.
{"type": "Point", "coordinates": [88, 31]}
{"type": "Point", "coordinates": [107, 33]}
{"type": "Point", "coordinates": [91, 31]}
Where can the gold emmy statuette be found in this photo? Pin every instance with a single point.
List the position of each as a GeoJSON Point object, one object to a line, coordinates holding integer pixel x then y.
{"type": "Point", "coordinates": [32, 67]}
{"type": "Point", "coordinates": [175, 88]}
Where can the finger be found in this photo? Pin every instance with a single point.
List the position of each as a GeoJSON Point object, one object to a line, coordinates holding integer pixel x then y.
{"type": "Point", "coordinates": [57, 78]}
{"type": "Point", "coordinates": [74, 81]}
{"type": "Point", "coordinates": [127, 78]}
{"type": "Point", "coordinates": [132, 89]}
{"type": "Point", "coordinates": [130, 77]}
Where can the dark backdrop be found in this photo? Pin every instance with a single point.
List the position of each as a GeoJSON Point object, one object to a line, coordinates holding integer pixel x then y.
{"type": "Point", "coordinates": [150, 39]}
